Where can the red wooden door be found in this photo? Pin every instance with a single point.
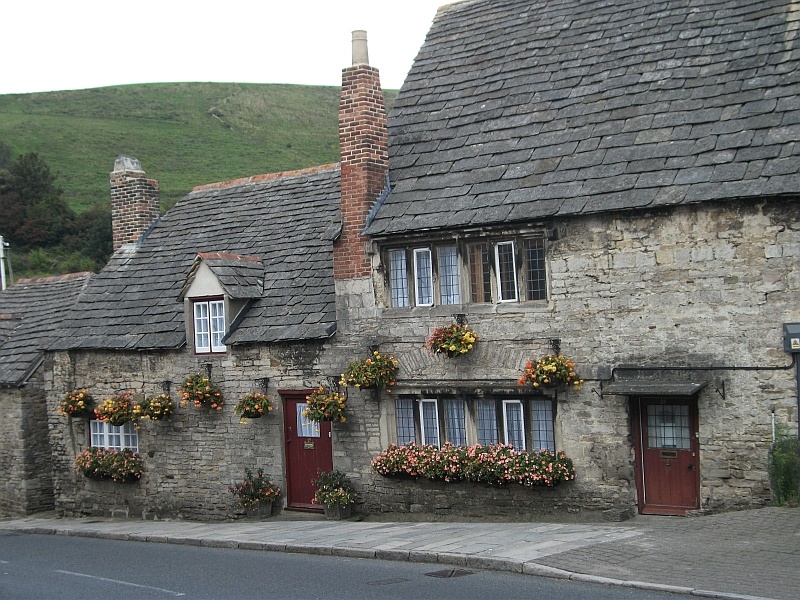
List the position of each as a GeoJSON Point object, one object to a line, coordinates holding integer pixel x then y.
{"type": "Point", "coordinates": [667, 455]}
{"type": "Point", "coordinates": [308, 450]}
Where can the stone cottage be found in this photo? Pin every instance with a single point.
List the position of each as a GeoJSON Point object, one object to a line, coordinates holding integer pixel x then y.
{"type": "Point", "coordinates": [617, 183]}
{"type": "Point", "coordinates": [30, 311]}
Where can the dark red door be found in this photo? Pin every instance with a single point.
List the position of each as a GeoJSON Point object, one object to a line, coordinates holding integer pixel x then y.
{"type": "Point", "coordinates": [308, 450]}
{"type": "Point", "coordinates": [667, 455]}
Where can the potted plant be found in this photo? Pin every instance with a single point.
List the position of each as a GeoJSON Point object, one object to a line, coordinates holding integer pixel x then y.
{"type": "Point", "coordinates": [122, 466]}
{"type": "Point", "coordinates": [452, 340]}
{"type": "Point", "coordinates": [256, 493]}
{"type": "Point", "coordinates": [252, 406]}
{"type": "Point", "coordinates": [550, 371]}
{"type": "Point", "coordinates": [155, 407]}
{"type": "Point", "coordinates": [325, 405]}
{"type": "Point", "coordinates": [375, 371]}
{"type": "Point", "coordinates": [335, 492]}
{"type": "Point", "coordinates": [77, 403]}
{"type": "Point", "coordinates": [201, 391]}
{"type": "Point", "coordinates": [116, 410]}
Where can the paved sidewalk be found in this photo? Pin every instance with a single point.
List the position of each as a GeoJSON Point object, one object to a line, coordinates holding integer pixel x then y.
{"type": "Point", "coordinates": [748, 554]}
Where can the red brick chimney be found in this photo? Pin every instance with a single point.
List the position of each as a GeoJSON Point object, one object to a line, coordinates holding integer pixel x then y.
{"type": "Point", "coordinates": [363, 144]}
{"type": "Point", "coordinates": [134, 201]}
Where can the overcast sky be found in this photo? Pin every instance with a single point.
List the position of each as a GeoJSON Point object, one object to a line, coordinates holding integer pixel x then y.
{"type": "Point", "coordinates": [50, 45]}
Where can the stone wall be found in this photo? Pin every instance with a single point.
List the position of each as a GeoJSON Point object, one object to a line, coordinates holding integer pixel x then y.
{"type": "Point", "coordinates": [27, 484]}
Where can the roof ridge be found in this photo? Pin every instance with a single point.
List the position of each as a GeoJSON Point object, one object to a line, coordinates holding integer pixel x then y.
{"type": "Point", "coordinates": [265, 177]}
{"type": "Point", "coordinates": [227, 256]}
{"type": "Point", "coordinates": [51, 278]}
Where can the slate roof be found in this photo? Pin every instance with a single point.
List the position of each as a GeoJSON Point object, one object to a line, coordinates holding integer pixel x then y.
{"type": "Point", "coordinates": [281, 219]}
{"type": "Point", "coordinates": [518, 110]}
{"type": "Point", "coordinates": [30, 313]}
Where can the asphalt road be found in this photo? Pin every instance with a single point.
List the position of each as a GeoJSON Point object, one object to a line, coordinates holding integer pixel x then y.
{"type": "Point", "coordinates": [60, 567]}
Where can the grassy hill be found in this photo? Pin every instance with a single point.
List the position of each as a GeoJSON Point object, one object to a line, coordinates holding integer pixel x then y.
{"type": "Point", "coordinates": [184, 134]}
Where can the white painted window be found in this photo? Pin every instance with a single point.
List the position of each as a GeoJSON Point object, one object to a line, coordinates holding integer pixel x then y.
{"type": "Point", "coordinates": [114, 437]}
{"type": "Point", "coordinates": [306, 427]}
{"type": "Point", "coordinates": [542, 425]}
{"type": "Point", "coordinates": [506, 268]}
{"type": "Point", "coordinates": [514, 424]}
{"type": "Point", "coordinates": [429, 421]}
{"type": "Point", "coordinates": [209, 325]}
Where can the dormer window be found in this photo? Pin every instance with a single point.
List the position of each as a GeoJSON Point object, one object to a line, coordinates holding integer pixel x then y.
{"type": "Point", "coordinates": [209, 325]}
{"type": "Point", "coordinates": [218, 290]}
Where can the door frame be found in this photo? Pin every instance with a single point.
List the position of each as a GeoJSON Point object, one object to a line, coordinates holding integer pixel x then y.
{"type": "Point", "coordinates": [639, 445]}
{"type": "Point", "coordinates": [288, 420]}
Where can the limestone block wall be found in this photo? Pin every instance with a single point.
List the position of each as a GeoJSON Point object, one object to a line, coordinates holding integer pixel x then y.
{"type": "Point", "coordinates": [27, 484]}
{"type": "Point", "coordinates": [191, 459]}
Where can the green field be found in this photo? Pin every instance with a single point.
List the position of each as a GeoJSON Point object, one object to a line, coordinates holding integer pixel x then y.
{"type": "Point", "coordinates": [184, 134]}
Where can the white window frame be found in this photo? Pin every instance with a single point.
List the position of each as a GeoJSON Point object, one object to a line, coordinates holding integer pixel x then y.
{"type": "Point", "coordinates": [498, 274]}
{"type": "Point", "coordinates": [506, 426]}
{"type": "Point", "coordinates": [449, 272]}
{"type": "Point", "coordinates": [423, 432]}
{"type": "Point", "coordinates": [418, 273]}
{"type": "Point", "coordinates": [113, 437]}
{"type": "Point", "coordinates": [209, 325]}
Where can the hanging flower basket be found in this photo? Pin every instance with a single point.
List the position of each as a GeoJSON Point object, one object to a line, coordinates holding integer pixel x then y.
{"type": "Point", "coordinates": [77, 403]}
{"type": "Point", "coordinates": [376, 371]}
{"type": "Point", "coordinates": [155, 407]}
{"type": "Point", "coordinates": [550, 371]}
{"type": "Point", "coordinates": [116, 410]}
{"type": "Point", "coordinates": [253, 406]}
{"type": "Point", "coordinates": [452, 340]}
{"type": "Point", "coordinates": [325, 405]}
{"type": "Point", "coordinates": [201, 391]}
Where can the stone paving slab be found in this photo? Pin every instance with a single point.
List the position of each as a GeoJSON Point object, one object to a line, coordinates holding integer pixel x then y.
{"type": "Point", "coordinates": [734, 556]}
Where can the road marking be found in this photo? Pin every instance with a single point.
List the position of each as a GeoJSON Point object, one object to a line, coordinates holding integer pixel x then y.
{"type": "Point", "coordinates": [121, 582]}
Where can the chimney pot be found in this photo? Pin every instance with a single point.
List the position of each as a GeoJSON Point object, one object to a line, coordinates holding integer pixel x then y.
{"type": "Point", "coordinates": [360, 52]}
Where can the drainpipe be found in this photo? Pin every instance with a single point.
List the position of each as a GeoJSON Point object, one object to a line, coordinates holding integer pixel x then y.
{"type": "Point", "coordinates": [3, 247]}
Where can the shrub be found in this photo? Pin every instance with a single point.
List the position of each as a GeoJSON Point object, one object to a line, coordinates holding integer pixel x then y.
{"type": "Point", "coordinates": [254, 490]}
{"type": "Point", "coordinates": [122, 466]}
{"type": "Point", "coordinates": [333, 487]}
{"type": "Point", "coordinates": [784, 471]}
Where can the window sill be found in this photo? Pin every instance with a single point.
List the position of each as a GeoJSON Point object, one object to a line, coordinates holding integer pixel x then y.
{"type": "Point", "coordinates": [448, 310]}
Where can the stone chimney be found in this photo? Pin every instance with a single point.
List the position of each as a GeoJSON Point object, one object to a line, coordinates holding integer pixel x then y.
{"type": "Point", "coordinates": [134, 201]}
{"type": "Point", "coordinates": [363, 144]}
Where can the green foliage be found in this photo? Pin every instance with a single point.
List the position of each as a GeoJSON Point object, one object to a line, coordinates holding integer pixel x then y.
{"type": "Point", "coordinates": [333, 487]}
{"type": "Point", "coordinates": [254, 489]}
{"type": "Point", "coordinates": [784, 469]}
{"type": "Point", "coordinates": [122, 466]}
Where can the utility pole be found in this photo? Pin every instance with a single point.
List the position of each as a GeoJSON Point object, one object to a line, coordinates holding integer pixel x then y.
{"type": "Point", "coordinates": [3, 246]}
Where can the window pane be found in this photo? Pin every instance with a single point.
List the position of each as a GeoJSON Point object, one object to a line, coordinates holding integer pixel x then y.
{"type": "Point", "coordinates": [480, 285]}
{"type": "Point", "coordinates": [305, 427]}
{"type": "Point", "coordinates": [429, 422]}
{"type": "Point", "coordinates": [217, 320]}
{"type": "Point", "coordinates": [114, 437]}
{"type": "Point", "coordinates": [487, 422]}
{"type": "Point", "coordinates": [398, 277]}
{"type": "Point", "coordinates": [404, 414]}
{"type": "Point", "coordinates": [423, 276]}
{"type": "Point", "coordinates": [448, 275]}
{"type": "Point", "coordinates": [668, 426]}
{"type": "Point", "coordinates": [201, 327]}
{"type": "Point", "coordinates": [542, 425]}
{"type": "Point", "coordinates": [506, 271]}
{"type": "Point", "coordinates": [455, 421]}
{"type": "Point", "coordinates": [536, 272]}
{"type": "Point", "coordinates": [514, 424]}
